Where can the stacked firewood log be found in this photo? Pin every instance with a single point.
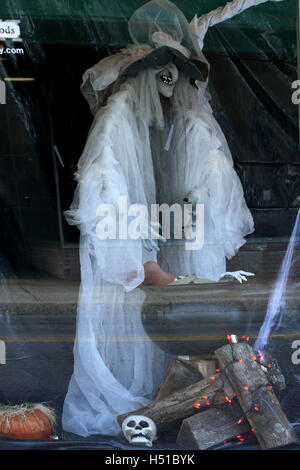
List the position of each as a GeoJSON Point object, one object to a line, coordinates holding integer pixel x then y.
{"type": "Point", "coordinates": [231, 396]}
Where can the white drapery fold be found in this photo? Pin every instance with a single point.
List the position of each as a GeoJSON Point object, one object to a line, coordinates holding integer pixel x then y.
{"type": "Point", "coordinates": [117, 368]}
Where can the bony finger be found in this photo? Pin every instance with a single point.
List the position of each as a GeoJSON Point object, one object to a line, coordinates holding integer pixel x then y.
{"type": "Point", "coordinates": [155, 247]}
{"type": "Point", "coordinates": [147, 246]}
{"type": "Point", "coordinates": [151, 245]}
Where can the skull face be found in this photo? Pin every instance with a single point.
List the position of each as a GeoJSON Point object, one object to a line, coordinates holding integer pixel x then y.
{"type": "Point", "coordinates": [166, 78]}
{"type": "Point", "coordinates": [139, 430]}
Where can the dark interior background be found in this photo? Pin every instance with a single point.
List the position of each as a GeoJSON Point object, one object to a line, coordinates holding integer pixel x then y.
{"type": "Point", "coordinates": [253, 64]}
{"type": "Point", "coordinates": [253, 61]}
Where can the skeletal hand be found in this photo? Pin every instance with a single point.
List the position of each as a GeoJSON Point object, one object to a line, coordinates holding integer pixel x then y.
{"type": "Point", "coordinates": [238, 275]}
{"type": "Point", "coordinates": [151, 242]}
{"type": "Point", "coordinates": [191, 200]}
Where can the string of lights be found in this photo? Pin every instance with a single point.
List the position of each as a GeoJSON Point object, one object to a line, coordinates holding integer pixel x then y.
{"type": "Point", "coordinates": [221, 373]}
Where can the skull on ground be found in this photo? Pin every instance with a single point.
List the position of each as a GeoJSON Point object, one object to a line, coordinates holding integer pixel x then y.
{"type": "Point", "coordinates": [139, 430]}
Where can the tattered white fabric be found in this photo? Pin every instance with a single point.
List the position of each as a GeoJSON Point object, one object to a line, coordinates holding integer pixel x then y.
{"type": "Point", "coordinates": [113, 357]}
{"type": "Point", "coordinates": [220, 14]}
{"type": "Point", "coordinates": [149, 150]}
{"type": "Point", "coordinates": [198, 167]}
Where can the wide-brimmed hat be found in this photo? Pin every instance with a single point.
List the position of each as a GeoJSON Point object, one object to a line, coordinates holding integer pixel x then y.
{"type": "Point", "coordinates": [163, 56]}
{"type": "Point", "coordinates": [160, 34]}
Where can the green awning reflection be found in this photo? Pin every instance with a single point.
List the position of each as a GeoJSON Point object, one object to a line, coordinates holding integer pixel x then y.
{"type": "Point", "coordinates": [104, 22]}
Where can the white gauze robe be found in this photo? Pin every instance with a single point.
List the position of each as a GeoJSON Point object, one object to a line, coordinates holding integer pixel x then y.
{"type": "Point", "coordinates": [116, 368]}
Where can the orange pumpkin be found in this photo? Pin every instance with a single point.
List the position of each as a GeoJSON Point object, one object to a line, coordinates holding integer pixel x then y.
{"type": "Point", "coordinates": [26, 421]}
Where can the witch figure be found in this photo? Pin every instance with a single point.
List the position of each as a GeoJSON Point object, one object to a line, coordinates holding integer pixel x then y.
{"type": "Point", "coordinates": [154, 141]}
